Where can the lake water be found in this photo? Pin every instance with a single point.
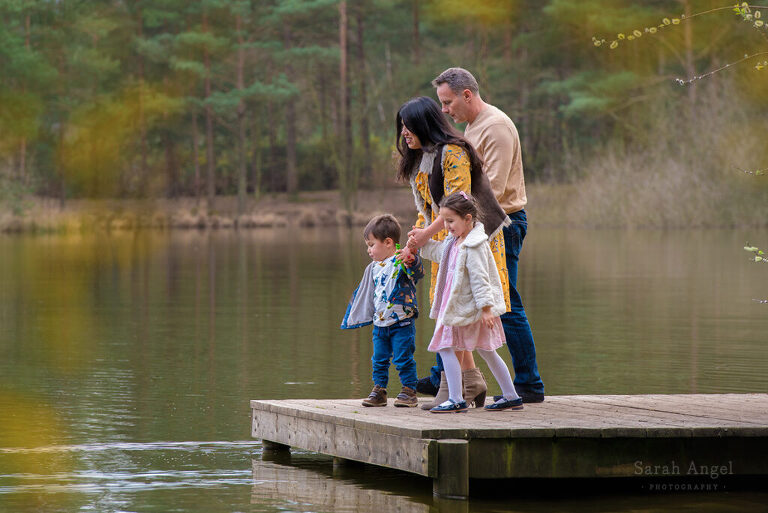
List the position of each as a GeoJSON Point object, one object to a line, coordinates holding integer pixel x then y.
{"type": "Point", "coordinates": [127, 360]}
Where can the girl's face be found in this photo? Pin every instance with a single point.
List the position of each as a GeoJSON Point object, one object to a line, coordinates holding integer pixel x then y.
{"type": "Point", "coordinates": [410, 138]}
{"type": "Point", "coordinates": [456, 225]}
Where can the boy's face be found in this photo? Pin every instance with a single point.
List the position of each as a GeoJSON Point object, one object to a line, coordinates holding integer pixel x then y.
{"type": "Point", "coordinates": [379, 249]}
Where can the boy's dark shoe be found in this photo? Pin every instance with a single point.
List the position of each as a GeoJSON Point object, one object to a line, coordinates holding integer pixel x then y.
{"type": "Point", "coordinates": [377, 397]}
{"type": "Point", "coordinates": [425, 386]}
{"type": "Point", "coordinates": [407, 398]}
{"type": "Point", "coordinates": [527, 397]}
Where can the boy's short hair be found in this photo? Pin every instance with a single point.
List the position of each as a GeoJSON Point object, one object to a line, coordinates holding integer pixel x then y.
{"type": "Point", "coordinates": [383, 227]}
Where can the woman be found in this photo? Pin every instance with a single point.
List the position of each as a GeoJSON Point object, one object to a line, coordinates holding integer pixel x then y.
{"type": "Point", "coordinates": [437, 161]}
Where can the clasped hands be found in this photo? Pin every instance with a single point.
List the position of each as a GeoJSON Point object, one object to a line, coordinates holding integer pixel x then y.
{"type": "Point", "coordinates": [417, 237]}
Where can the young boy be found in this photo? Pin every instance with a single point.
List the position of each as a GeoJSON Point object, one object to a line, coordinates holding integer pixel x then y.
{"type": "Point", "coordinates": [386, 297]}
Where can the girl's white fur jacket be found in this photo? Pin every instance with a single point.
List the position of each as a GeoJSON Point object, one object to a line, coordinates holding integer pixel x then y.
{"type": "Point", "coordinates": [476, 281]}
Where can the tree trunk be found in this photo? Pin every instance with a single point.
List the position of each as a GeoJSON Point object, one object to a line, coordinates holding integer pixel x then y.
{"type": "Point", "coordinates": [241, 165]}
{"type": "Point", "coordinates": [291, 175]}
{"type": "Point", "coordinates": [196, 159]}
{"type": "Point", "coordinates": [342, 126]}
{"type": "Point", "coordinates": [171, 165]}
{"type": "Point", "coordinates": [171, 162]}
{"type": "Point", "coordinates": [345, 178]}
{"type": "Point", "coordinates": [23, 143]}
{"type": "Point", "coordinates": [270, 167]}
{"type": "Point", "coordinates": [257, 165]}
{"type": "Point", "coordinates": [323, 85]}
{"type": "Point", "coordinates": [364, 129]}
{"type": "Point", "coordinates": [415, 34]}
{"type": "Point", "coordinates": [210, 178]}
{"type": "Point", "coordinates": [143, 175]}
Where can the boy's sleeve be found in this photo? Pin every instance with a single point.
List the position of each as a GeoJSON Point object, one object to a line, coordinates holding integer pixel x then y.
{"type": "Point", "coordinates": [416, 269]}
{"type": "Point", "coordinates": [360, 309]}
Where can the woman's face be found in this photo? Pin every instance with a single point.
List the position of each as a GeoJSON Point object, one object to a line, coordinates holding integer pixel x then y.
{"type": "Point", "coordinates": [410, 138]}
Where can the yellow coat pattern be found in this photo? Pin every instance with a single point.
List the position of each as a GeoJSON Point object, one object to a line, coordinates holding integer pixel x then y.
{"type": "Point", "coordinates": [456, 178]}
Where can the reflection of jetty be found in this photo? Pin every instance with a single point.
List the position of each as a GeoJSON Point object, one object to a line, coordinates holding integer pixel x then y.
{"type": "Point", "coordinates": [699, 437]}
{"type": "Point", "coordinates": [290, 483]}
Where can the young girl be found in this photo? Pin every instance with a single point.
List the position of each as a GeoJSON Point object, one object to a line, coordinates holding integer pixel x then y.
{"type": "Point", "coordinates": [468, 301]}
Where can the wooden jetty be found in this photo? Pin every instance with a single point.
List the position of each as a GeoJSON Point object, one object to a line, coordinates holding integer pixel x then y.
{"type": "Point", "coordinates": [702, 437]}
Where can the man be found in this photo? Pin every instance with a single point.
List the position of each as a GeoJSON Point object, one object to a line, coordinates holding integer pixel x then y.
{"type": "Point", "coordinates": [495, 138]}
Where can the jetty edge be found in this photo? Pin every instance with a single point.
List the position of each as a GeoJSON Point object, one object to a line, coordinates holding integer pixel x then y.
{"type": "Point", "coordinates": [701, 436]}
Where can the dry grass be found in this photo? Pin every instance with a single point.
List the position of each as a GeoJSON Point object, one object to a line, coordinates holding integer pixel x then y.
{"type": "Point", "coordinates": [684, 174]}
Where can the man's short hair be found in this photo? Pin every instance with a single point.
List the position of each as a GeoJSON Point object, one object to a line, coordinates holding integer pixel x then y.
{"type": "Point", "coordinates": [383, 227]}
{"type": "Point", "coordinates": [457, 79]}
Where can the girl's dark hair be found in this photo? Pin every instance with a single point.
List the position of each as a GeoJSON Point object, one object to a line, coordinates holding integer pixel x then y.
{"type": "Point", "coordinates": [422, 117]}
{"type": "Point", "coordinates": [461, 203]}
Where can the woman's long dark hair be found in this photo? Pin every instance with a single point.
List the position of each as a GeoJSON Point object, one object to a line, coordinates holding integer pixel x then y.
{"type": "Point", "coordinates": [422, 117]}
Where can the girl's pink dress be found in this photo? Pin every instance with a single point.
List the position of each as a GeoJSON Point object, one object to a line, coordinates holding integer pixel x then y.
{"type": "Point", "coordinates": [463, 338]}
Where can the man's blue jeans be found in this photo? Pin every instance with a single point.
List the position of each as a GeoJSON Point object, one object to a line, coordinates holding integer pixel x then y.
{"type": "Point", "coordinates": [516, 327]}
{"type": "Point", "coordinates": [395, 342]}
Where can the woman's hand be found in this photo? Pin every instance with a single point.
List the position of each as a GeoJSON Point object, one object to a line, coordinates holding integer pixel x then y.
{"type": "Point", "coordinates": [488, 317]}
{"type": "Point", "coordinates": [417, 237]}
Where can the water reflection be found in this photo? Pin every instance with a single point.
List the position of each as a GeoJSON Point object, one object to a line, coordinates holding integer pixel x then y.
{"type": "Point", "coordinates": [120, 476]}
{"type": "Point", "coordinates": [307, 483]}
{"type": "Point", "coordinates": [148, 337]}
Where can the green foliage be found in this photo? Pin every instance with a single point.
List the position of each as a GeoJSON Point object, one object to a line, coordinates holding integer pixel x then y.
{"type": "Point", "coordinates": [70, 98]}
{"type": "Point", "coordinates": [14, 195]}
{"type": "Point", "coordinates": [593, 93]}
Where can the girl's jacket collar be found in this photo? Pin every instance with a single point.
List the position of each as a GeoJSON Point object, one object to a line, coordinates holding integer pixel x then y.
{"type": "Point", "coordinates": [474, 238]}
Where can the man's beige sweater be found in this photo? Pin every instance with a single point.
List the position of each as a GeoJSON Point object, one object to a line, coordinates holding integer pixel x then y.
{"type": "Point", "coordinates": [495, 137]}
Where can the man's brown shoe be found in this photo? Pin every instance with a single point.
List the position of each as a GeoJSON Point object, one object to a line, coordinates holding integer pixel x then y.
{"type": "Point", "coordinates": [407, 398]}
{"type": "Point", "coordinates": [377, 397]}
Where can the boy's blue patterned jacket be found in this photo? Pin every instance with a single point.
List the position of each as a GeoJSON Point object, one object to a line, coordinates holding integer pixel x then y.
{"type": "Point", "coordinates": [360, 309]}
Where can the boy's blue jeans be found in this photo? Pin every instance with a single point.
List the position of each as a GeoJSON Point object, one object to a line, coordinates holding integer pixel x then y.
{"type": "Point", "coordinates": [396, 343]}
{"type": "Point", "coordinates": [517, 330]}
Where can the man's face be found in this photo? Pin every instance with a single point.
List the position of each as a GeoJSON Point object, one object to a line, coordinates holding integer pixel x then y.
{"type": "Point", "coordinates": [453, 104]}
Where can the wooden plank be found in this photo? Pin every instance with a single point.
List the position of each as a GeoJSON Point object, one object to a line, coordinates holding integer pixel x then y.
{"type": "Point", "coordinates": [452, 480]}
{"type": "Point", "coordinates": [350, 442]}
{"type": "Point", "coordinates": [566, 436]}
{"type": "Point", "coordinates": [698, 416]}
{"type": "Point", "coordinates": [629, 416]}
{"type": "Point", "coordinates": [606, 416]}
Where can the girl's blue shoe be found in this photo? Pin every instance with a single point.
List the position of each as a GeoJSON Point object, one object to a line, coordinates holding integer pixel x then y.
{"type": "Point", "coordinates": [451, 406]}
{"type": "Point", "coordinates": [506, 404]}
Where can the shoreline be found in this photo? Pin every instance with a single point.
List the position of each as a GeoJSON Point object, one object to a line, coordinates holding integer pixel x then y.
{"type": "Point", "coordinates": [550, 205]}
{"type": "Point", "coordinates": [306, 209]}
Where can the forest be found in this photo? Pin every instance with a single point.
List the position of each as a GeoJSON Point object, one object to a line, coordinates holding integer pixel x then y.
{"type": "Point", "coordinates": [614, 99]}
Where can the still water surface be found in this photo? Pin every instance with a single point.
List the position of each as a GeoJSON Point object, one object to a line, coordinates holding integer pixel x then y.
{"type": "Point", "coordinates": [127, 360]}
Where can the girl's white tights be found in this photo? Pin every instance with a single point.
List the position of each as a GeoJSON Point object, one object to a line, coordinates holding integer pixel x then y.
{"type": "Point", "coordinates": [500, 372]}
{"type": "Point", "coordinates": [495, 363]}
{"type": "Point", "coordinates": [452, 374]}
